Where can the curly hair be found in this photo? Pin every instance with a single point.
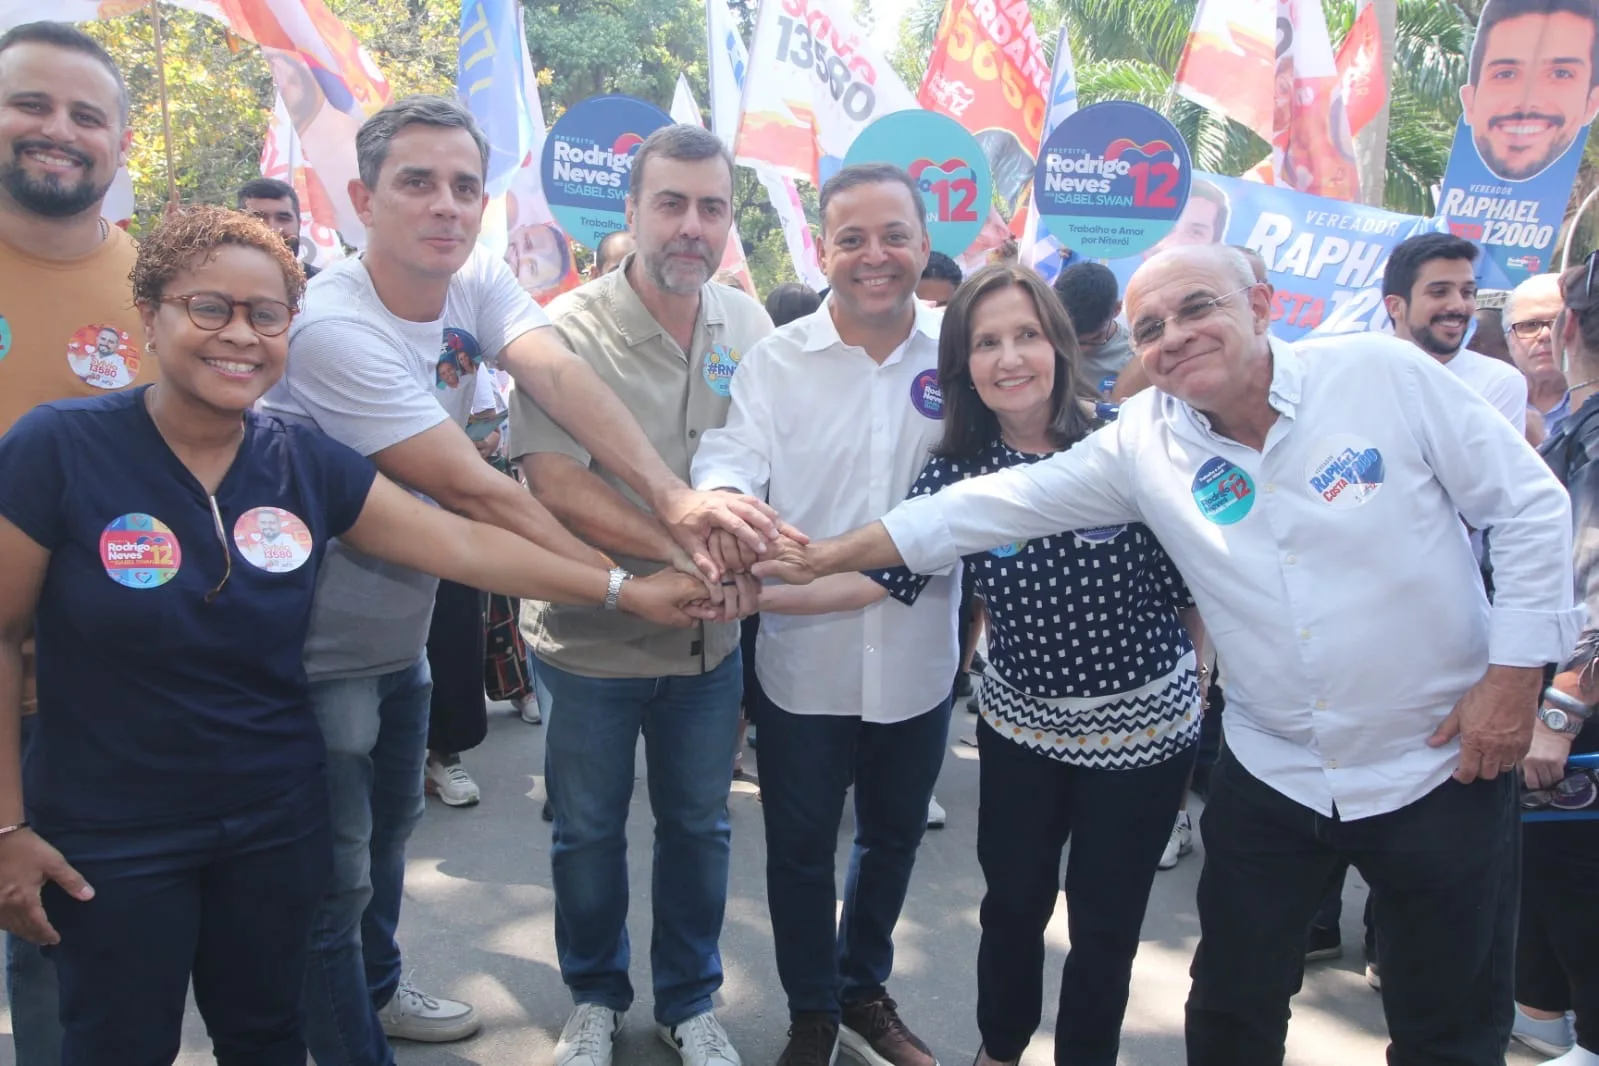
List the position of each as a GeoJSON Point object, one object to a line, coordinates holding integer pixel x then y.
{"type": "Point", "coordinates": [194, 233]}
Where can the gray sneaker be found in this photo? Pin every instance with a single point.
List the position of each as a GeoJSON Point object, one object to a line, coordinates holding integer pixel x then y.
{"type": "Point", "coordinates": [415, 1015]}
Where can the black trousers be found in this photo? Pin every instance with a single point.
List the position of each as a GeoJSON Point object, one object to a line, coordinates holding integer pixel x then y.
{"type": "Point", "coordinates": [1557, 952]}
{"type": "Point", "coordinates": [459, 719]}
{"type": "Point", "coordinates": [1118, 822]}
{"type": "Point", "coordinates": [1445, 870]}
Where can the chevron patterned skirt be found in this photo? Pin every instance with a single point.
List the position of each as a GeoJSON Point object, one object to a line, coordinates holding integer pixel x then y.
{"type": "Point", "coordinates": [1139, 727]}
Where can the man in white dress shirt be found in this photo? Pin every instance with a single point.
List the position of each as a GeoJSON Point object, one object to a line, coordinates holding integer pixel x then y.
{"type": "Point", "coordinates": [1311, 496]}
{"type": "Point", "coordinates": [1430, 290]}
{"type": "Point", "coordinates": [834, 416]}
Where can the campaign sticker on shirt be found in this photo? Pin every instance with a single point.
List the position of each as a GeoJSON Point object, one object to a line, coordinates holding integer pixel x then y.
{"type": "Point", "coordinates": [272, 539]}
{"type": "Point", "coordinates": [718, 366]}
{"type": "Point", "coordinates": [5, 337]}
{"type": "Point", "coordinates": [459, 358]}
{"type": "Point", "coordinates": [926, 396]}
{"type": "Point", "coordinates": [140, 552]}
{"type": "Point", "coordinates": [1344, 470]}
{"type": "Point", "coordinates": [1006, 551]}
{"type": "Point", "coordinates": [1099, 534]}
{"type": "Point", "coordinates": [1223, 491]}
{"type": "Point", "coordinates": [103, 356]}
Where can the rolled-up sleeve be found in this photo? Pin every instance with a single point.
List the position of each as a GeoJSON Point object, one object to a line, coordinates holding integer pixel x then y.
{"type": "Point", "coordinates": [1083, 487]}
{"type": "Point", "coordinates": [1498, 483]}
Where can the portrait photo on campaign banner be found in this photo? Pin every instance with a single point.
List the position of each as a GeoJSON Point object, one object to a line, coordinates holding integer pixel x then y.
{"type": "Point", "coordinates": [588, 159]}
{"type": "Point", "coordinates": [1531, 91]}
{"type": "Point", "coordinates": [1113, 181]}
{"type": "Point", "coordinates": [948, 165]}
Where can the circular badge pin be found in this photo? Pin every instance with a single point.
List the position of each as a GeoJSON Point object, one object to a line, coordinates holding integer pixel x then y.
{"type": "Point", "coordinates": [717, 366]}
{"type": "Point", "coordinates": [1223, 492]}
{"type": "Point", "coordinates": [140, 552]}
{"type": "Point", "coordinates": [1008, 551]}
{"type": "Point", "coordinates": [1099, 535]}
{"type": "Point", "coordinates": [5, 337]}
{"type": "Point", "coordinates": [926, 396]}
{"type": "Point", "coordinates": [272, 539]}
{"type": "Point", "coordinates": [103, 356]}
{"type": "Point", "coordinates": [1344, 470]}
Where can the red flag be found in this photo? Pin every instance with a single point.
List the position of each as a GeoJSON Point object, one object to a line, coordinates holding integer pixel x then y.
{"type": "Point", "coordinates": [1361, 71]}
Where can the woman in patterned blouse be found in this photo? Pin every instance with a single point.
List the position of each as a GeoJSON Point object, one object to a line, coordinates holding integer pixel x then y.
{"type": "Point", "coordinates": [1090, 708]}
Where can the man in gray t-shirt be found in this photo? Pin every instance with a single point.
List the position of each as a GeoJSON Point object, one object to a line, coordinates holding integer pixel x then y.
{"type": "Point", "coordinates": [1092, 300]}
{"type": "Point", "coordinates": [384, 357]}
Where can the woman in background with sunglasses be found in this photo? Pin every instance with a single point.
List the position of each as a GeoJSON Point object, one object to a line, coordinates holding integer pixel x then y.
{"type": "Point", "coordinates": [1557, 946]}
{"type": "Point", "coordinates": [165, 543]}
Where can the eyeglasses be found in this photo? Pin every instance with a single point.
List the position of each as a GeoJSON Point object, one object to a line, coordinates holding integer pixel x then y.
{"type": "Point", "coordinates": [1531, 327]}
{"type": "Point", "coordinates": [1576, 791]}
{"type": "Point", "coordinates": [212, 311]}
{"type": "Point", "coordinates": [1148, 334]}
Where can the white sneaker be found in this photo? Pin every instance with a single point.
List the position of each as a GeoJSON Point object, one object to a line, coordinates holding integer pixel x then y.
{"type": "Point", "coordinates": [701, 1041]}
{"type": "Point", "coordinates": [449, 781]}
{"type": "Point", "coordinates": [528, 708]}
{"type": "Point", "coordinates": [1180, 843]}
{"type": "Point", "coordinates": [935, 814]}
{"type": "Point", "coordinates": [415, 1015]}
{"type": "Point", "coordinates": [587, 1036]}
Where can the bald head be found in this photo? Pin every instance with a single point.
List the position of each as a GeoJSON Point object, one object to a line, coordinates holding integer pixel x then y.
{"type": "Point", "coordinates": [1227, 262]}
{"type": "Point", "coordinates": [1540, 288]}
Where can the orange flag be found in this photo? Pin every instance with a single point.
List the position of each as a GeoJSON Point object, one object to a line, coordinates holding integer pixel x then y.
{"type": "Point", "coordinates": [1361, 71]}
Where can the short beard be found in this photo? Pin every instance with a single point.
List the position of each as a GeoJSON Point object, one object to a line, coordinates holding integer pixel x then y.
{"type": "Point", "coordinates": [48, 197]}
{"type": "Point", "coordinates": [655, 266]}
{"type": "Point", "coordinates": [1429, 342]}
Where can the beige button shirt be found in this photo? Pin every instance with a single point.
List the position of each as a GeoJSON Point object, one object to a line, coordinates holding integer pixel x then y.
{"type": "Point", "coordinates": [675, 396]}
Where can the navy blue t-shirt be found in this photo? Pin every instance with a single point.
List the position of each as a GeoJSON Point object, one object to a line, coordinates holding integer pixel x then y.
{"type": "Point", "coordinates": [156, 704]}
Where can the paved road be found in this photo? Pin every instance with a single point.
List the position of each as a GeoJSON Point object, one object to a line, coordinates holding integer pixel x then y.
{"type": "Point", "coordinates": [477, 926]}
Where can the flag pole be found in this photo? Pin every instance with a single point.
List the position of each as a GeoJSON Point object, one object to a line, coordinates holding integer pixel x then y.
{"type": "Point", "coordinates": [166, 117]}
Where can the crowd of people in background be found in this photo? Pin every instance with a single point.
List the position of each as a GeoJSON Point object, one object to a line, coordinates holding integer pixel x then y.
{"type": "Point", "coordinates": [272, 546]}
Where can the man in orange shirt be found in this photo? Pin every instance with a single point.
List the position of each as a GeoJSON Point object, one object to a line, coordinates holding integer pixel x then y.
{"type": "Point", "coordinates": [67, 323]}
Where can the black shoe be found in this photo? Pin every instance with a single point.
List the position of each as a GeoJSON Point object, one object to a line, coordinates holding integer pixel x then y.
{"type": "Point", "coordinates": [1323, 944]}
{"type": "Point", "coordinates": [812, 1041]}
{"type": "Point", "coordinates": [963, 685]}
{"type": "Point", "coordinates": [979, 664]}
{"type": "Point", "coordinates": [548, 813]}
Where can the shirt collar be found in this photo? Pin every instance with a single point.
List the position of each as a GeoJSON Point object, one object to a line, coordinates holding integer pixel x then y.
{"type": "Point", "coordinates": [1287, 385]}
{"type": "Point", "coordinates": [823, 333]}
{"type": "Point", "coordinates": [634, 321]}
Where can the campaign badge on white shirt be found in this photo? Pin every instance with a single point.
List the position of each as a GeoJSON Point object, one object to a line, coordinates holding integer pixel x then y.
{"type": "Point", "coordinates": [1099, 534]}
{"type": "Point", "coordinates": [718, 365]}
{"type": "Point", "coordinates": [103, 356]}
{"type": "Point", "coordinates": [1006, 551]}
{"type": "Point", "coordinates": [140, 552]}
{"type": "Point", "coordinates": [926, 396]}
{"type": "Point", "coordinates": [459, 358]}
{"type": "Point", "coordinates": [1344, 470]}
{"type": "Point", "coordinates": [272, 539]}
{"type": "Point", "coordinates": [1223, 492]}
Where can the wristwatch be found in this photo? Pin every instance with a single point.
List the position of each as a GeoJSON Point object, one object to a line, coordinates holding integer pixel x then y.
{"type": "Point", "coordinates": [1563, 713]}
{"type": "Point", "coordinates": [613, 591]}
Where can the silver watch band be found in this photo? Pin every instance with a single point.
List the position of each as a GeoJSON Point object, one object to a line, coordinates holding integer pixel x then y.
{"type": "Point", "coordinates": [1568, 703]}
{"type": "Point", "coordinates": [613, 591]}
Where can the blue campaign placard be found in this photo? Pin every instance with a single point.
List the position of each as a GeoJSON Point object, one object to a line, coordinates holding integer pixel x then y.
{"type": "Point", "coordinates": [947, 163]}
{"type": "Point", "coordinates": [587, 160]}
{"type": "Point", "coordinates": [1112, 179]}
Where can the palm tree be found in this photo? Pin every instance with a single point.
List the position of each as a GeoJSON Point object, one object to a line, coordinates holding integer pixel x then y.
{"type": "Point", "coordinates": [1129, 49]}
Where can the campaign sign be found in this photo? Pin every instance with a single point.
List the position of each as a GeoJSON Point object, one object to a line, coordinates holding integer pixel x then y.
{"type": "Point", "coordinates": [587, 160]}
{"type": "Point", "coordinates": [947, 163]}
{"type": "Point", "coordinates": [1112, 179]}
{"type": "Point", "coordinates": [1324, 257]}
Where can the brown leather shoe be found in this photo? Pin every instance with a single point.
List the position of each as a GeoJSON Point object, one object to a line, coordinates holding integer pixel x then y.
{"type": "Point", "coordinates": [812, 1041]}
{"type": "Point", "coordinates": [874, 1033]}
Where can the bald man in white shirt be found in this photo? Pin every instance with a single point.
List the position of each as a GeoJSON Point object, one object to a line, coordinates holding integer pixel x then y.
{"type": "Point", "coordinates": [1310, 496]}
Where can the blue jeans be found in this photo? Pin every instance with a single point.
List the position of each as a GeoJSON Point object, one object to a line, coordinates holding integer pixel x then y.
{"type": "Point", "coordinates": [808, 762]}
{"type": "Point", "coordinates": [376, 732]}
{"type": "Point", "coordinates": [689, 726]}
{"type": "Point", "coordinates": [31, 987]}
{"type": "Point", "coordinates": [227, 899]}
{"type": "Point", "coordinates": [1445, 871]}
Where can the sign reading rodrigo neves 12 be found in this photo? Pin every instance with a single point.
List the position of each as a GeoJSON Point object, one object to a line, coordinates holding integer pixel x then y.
{"type": "Point", "coordinates": [1112, 179]}
{"type": "Point", "coordinates": [947, 164]}
{"type": "Point", "coordinates": [587, 160]}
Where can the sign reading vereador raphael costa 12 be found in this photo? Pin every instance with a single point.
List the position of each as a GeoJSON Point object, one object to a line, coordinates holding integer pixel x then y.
{"type": "Point", "coordinates": [1112, 179]}
{"type": "Point", "coordinates": [588, 157]}
{"type": "Point", "coordinates": [948, 165]}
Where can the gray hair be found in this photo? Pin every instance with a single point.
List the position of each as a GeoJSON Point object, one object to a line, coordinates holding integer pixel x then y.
{"type": "Point", "coordinates": [682, 142]}
{"type": "Point", "coordinates": [873, 174]}
{"type": "Point", "coordinates": [1537, 285]}
{"type": "Point", "coordinates": [378, 132]}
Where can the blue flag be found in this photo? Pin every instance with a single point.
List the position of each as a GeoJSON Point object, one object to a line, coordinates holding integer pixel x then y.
{"type": "Point", "coordinates": [489, 83]}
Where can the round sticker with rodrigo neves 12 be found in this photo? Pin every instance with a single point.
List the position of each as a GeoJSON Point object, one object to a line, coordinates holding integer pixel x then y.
{"type": "Point", "coordinates": [139, 551]}
{"type": "Point", "coordinates": [926, 396]}
{"type": "Point", "coordinates": [1112, 180]}
{"type": "Point", "coordinates": [1344, 470]}
{"type": "Point", "coordinates": [717, 365]}
{"type": "Point", "coordinates": [587, 161]}
{"type": "Point", "coordinates": [948, 165]}
{"type": "Point", "coordinates": [1223, 492]}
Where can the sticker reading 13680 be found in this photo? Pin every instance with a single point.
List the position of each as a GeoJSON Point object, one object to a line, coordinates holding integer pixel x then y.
{"type": "Point", "coordinates": [140, 552]}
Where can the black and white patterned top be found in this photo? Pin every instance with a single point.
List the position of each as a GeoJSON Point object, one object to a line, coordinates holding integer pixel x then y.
{"type": "Point", "coordinates": [1089, 662]}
